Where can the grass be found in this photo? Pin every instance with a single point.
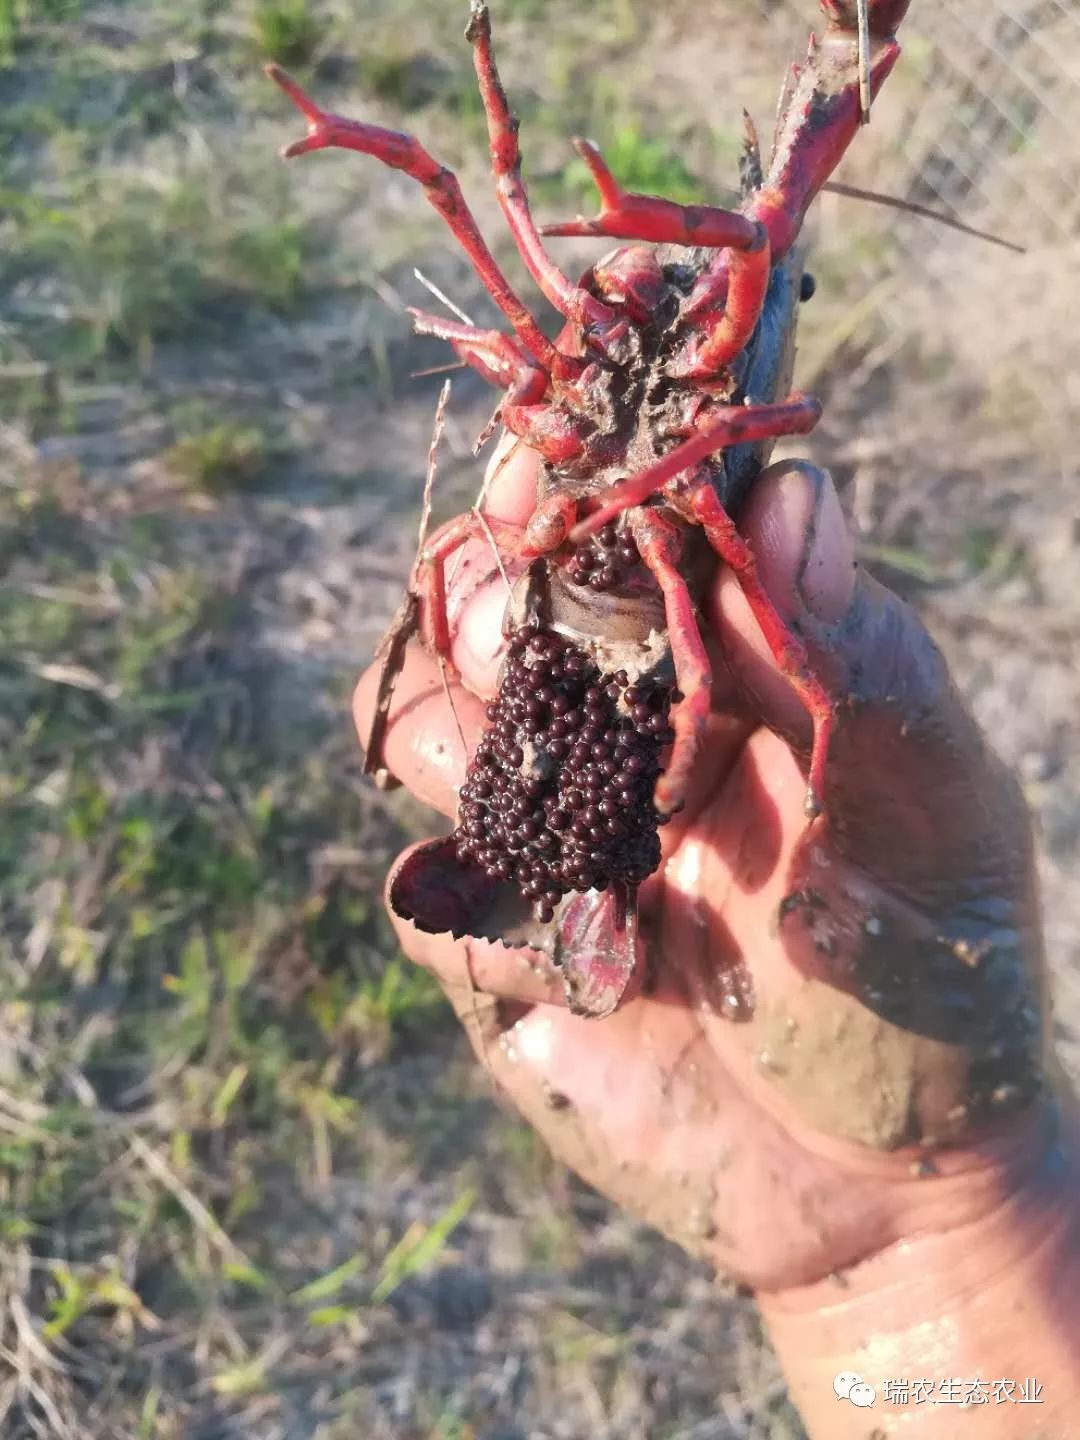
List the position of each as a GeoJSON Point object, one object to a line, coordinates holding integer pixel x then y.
{"type": "Point", "coordinates": [242, 1162]}
{"type": "Point", "coordinates": [287, 31]}
{"type": "Point", "coordinates": [16, 15]}
{"type": "Point", "coordinates": [227, 456]}
{"type": "Point", "coordinates": [419, 1247]}
{"type": "Point", "coordinates": [180, 949]}
{"type": "Point", "coordinates": [127, 264]}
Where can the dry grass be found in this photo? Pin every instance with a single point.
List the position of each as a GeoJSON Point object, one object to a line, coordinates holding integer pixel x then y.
{"type": "Point", "coordinates": [248, 1184]}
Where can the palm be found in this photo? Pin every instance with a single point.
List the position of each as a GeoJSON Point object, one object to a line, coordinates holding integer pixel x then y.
{"type": "Point", "coordinates": [804, 1038]}
{"type": "Point", "coordinates": [718, 1107]}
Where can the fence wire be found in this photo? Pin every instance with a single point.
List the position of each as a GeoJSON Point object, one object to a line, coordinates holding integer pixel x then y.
{"type": "Point", "coordinates": [979, 120]}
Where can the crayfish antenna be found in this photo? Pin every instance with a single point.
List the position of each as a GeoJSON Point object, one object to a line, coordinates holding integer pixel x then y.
{"type": "Point", "coordinates": [441, 295]}
{"type": "Point", "coordinates": [927, 212]}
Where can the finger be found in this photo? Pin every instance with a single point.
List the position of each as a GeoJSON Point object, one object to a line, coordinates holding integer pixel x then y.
{"type": "Point", "coordinates": [477, 576]}
{"type": "Point", "coordinates": [795, 526]}
{"type": "Point", "coordinates": [476, 606]}
{"type": "Point", "coordinates": [640, 1109]}
{"type": "Point", "coordinates": [423, 746]}
{"type": "Point", "coordinates": [510, 480]}
{"type": "Point", "coordinates": [912, 791]}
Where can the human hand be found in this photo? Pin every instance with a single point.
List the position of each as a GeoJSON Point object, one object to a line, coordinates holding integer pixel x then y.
{"type": "Point", "coordinates": [836, 1015]}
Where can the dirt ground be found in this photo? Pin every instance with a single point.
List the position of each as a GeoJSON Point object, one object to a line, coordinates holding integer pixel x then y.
{"type": "Point", "coordinates": [250, 1184]}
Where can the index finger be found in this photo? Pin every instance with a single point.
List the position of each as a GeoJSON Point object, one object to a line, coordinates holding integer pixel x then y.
{"type": "Point", "coordinates": [419, 741]}
{"type": "Point", "coordinates": [476, 589]}
{"type": "Point", "coordinates": [509, 488]}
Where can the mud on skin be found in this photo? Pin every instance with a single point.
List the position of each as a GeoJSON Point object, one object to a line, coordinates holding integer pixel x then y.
{"type": "Point", "coordinates": [942, 955]}
{"type": "Point", "coordinates": [913, 1030]}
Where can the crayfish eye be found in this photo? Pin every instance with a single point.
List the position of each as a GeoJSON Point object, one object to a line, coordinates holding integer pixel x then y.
{"type": "Point", "coordinates": [631, 279]}
{"type": "Point", "coordinates": [807, 287]}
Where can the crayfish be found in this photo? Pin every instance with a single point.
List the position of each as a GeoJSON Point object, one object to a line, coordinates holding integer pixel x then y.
{"type": "Point", "coordinates": [654, 410]}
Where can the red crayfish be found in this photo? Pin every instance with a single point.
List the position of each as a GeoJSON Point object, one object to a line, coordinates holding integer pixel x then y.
{"type": "Point", "coordinates": [653, 410]}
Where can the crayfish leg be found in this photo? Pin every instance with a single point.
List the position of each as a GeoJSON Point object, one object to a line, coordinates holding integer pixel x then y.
{"type": "Point", "coordinates": [787, 649]}
{"type": "Point", "coordinates": [660, 545]}
{"type": "Point", "coordinates": [721, 337]}
{"type": "Point", "coordinates": [491, 353]}
{"type": "Point", "coordinates": [430, 572]}
{"type": "Point", "coordinates": [545, 428]}
{"type": "Point", "coordinates": [404, 152]}
{"type": "Point", "coordinates": [569, 299]}
{"type": "Point", "coordinates": [723, 426]}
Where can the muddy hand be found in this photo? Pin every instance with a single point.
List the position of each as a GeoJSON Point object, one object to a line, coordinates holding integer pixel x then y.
{"type": "Point", "coordinates": [844, 1028]}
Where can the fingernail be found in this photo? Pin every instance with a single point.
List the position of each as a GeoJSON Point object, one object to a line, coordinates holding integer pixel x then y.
{"type": "Point", "coordinates": [825, 577]}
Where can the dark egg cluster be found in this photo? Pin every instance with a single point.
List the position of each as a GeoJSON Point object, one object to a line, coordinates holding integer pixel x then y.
{"type": "Point", "coordinates": [559, 794]}
{"type": "Point", "coordinates": [603, 560]}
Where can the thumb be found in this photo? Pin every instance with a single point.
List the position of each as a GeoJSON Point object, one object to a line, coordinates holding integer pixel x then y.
{"type": "Point", "coordinates": [915, 889]}
{"type": "Point", "coordinates": [913, 793]}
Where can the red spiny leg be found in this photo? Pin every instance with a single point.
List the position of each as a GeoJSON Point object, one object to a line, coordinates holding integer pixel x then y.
{"type": "Point", "coordinates": [788, 650]}
{"type": "Point", "coordinates": [499, 359]}
{"type": "Point", "coordinates": [529, 389]}
{"type": "Point", "coordinates": [726, 425]}
{"type": "Point", "coordinates": [546, 428]}
{"type": "Point", "coordinates": [569, 299]}
{"type": "Point", "coordinates": [404, 152]}
{"type": "Point", "coordinates": [430, 569]}
{"type": "Point", "coordinates": [496, 357]}
{"type": "Point", "coordinates": [625, 215]}
{"type": "Point", "coordinates": [660, 545]}
{"type": "Point", "coordinates": [822, 114]}
{"type": "Point", "coordinates": [723, 336]}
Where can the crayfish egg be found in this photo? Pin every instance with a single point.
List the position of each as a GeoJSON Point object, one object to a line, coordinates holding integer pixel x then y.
{"type": "Point", "coordinates": [559, 796]}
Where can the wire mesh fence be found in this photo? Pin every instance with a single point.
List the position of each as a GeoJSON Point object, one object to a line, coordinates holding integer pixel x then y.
{"type": "Point", "coordinates": [978, 122]}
